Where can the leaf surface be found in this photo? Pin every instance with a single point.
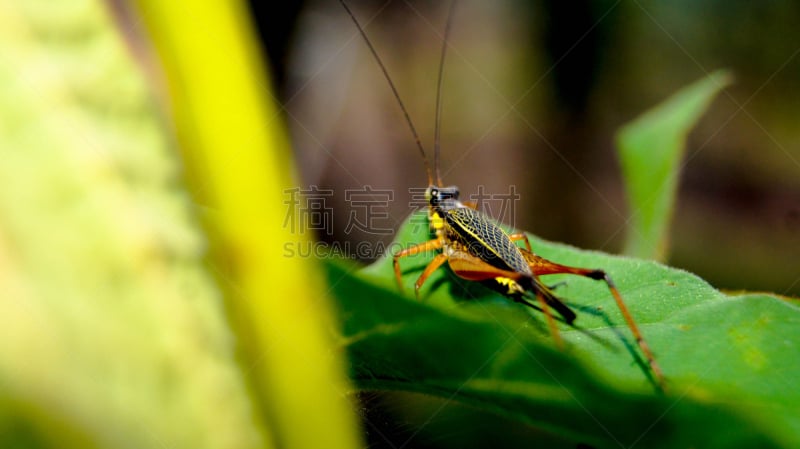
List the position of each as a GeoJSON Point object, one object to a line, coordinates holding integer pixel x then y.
{"type": "Point", "coordinates": [728, 360]}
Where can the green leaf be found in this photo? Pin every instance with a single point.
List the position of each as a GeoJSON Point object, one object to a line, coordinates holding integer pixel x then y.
{"type": "Point", "coordinates": [730, 362]}
{"type": "Point", "coordinates": [650, 149]}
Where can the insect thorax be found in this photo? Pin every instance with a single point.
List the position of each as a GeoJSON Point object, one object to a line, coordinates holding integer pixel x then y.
{"type": "Point", "coordinates": [440, 201]}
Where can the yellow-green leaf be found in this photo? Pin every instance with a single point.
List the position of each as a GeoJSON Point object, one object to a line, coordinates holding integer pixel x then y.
{"type": "Point", "coordinates": [233, 144]}
{"type": "Point", "coordinates": [112, 333]}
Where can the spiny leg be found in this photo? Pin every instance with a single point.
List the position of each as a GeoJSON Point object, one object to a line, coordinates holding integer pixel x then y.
{"type": "Point", "coordinates": [430, 245]}
{"type": "Point", "coordinates": [541, 266]}
{"type": "Point", "coordinates": [599, 274]}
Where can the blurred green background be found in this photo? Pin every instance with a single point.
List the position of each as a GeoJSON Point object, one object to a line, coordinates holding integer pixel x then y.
{"type": "Point", "coordinates": [534, 93]}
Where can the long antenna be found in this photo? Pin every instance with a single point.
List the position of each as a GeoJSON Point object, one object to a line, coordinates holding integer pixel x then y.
{"type": "Point", "coordinates": [394, 90]}
{"type": "Point", "coordinates": [438, 127]}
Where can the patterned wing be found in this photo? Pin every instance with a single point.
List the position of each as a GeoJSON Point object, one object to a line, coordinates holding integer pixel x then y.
{"type": "Point", "coordinates": [485, 239]}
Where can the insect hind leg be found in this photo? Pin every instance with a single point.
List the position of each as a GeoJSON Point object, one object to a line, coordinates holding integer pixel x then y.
{"type": "Point", "coordinates": [541, 266]}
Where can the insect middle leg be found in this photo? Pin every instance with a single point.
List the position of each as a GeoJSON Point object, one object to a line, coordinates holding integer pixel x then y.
{"type": "Point", "coordinates": [517, 236]}
{"type": "Point", "coordinates": [432, 266]}
{"type": "Point", "coordinates": [551, 323]}
{"type": "Point", "coordinates": [467, 266]}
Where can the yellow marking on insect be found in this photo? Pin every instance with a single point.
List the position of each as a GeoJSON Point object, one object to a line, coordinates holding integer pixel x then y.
{"type": "Point", "coordinates": [513, 286]}
{"type": "Point", "coordinates": [437, 222]}
{"type": "Point", "coordinates": [504, 281]}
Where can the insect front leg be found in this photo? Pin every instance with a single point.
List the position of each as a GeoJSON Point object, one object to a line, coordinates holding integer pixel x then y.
{"type": "Point", "coordinates": [430, 245]}
{"type": "Point", "coordinates": [433, 266]}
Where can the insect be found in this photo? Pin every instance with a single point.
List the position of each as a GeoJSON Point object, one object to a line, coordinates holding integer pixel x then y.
{"type": "Point", "coordinates": [477, 249]}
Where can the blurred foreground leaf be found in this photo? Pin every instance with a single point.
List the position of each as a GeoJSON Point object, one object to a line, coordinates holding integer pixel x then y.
{"type": "Point", "coordinates": [650, 149]}
{"type": "Point", "coordinates": [112, 334]}
{"type": "Point", "coordinates": [239, 163]}
{"type": "Point", "coordinates": [730, 361]}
